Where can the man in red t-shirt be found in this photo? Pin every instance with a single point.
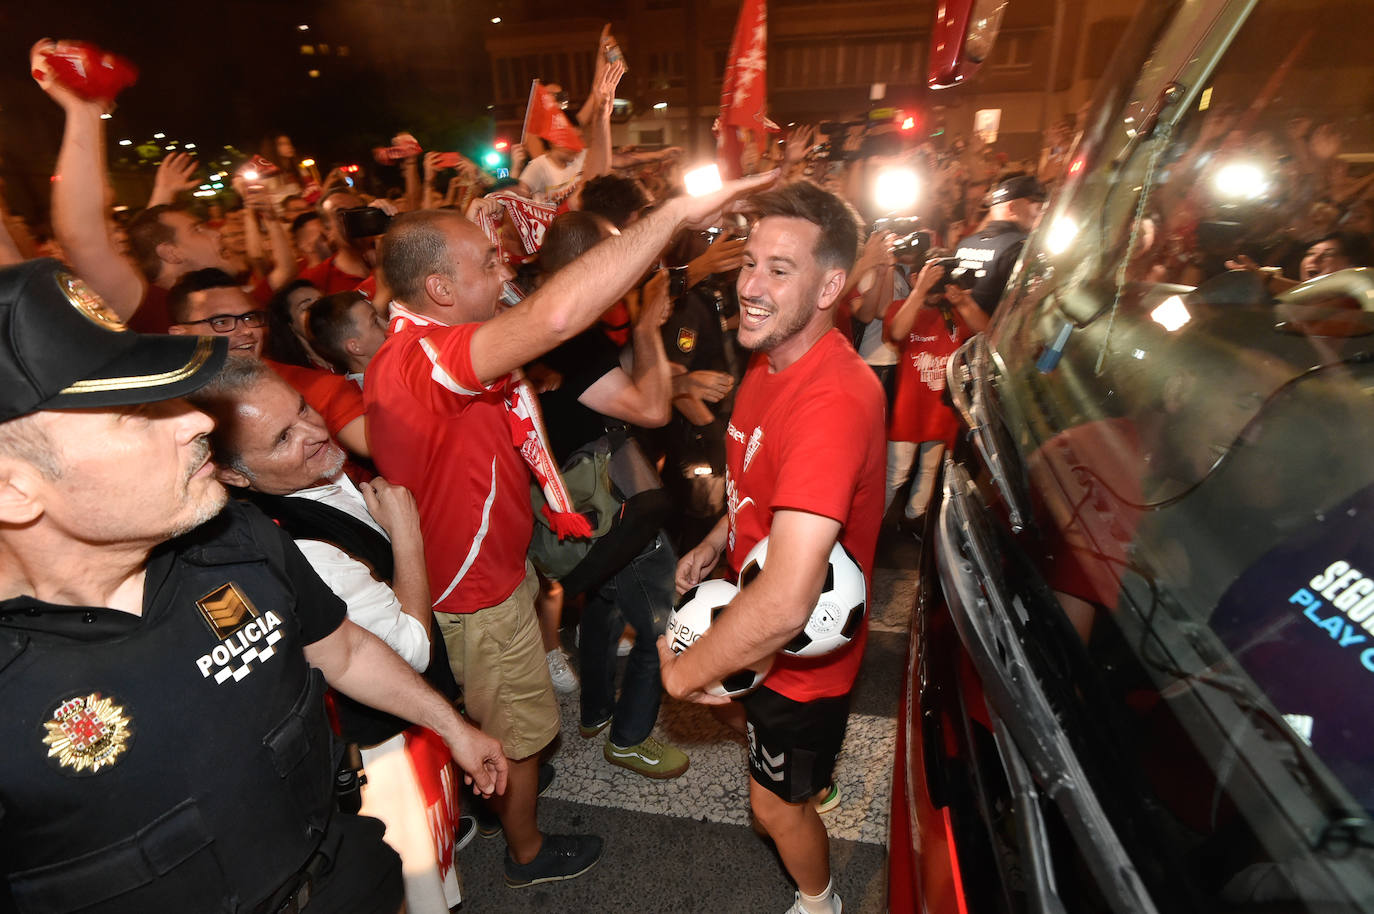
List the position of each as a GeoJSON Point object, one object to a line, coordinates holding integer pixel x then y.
{"type": "Point", "coordinates": [350, 266]}
{"type": "Point", "coordinates": [804, 467]}
{"type": "Point", "coordinates": [452, 423]}
{"type": "Point", "coordinates": [926, 327]}
{"type": "Point", "coordinates": [208, 302]}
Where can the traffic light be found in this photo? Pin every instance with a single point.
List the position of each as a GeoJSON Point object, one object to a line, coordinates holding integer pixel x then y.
{"type": "Point", "coordinates": [495, 157]}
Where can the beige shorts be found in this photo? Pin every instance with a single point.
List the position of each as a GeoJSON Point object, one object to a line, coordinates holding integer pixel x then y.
{"type": "Point", "coordinates": [497, 657]}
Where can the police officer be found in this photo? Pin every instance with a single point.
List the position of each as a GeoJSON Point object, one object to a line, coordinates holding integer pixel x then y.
{"type": "Point", "coordinates": [990, 253]}
{"type": "Point", "coordinates": [163, 656]}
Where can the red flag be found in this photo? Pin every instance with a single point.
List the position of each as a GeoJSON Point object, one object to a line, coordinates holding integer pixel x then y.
{"type": "Point", "coordinates": [92, 73]}
{"type": "Point", "coordinates": [744, 91]}
{"type": "Point", "coordinates": [546, 120]}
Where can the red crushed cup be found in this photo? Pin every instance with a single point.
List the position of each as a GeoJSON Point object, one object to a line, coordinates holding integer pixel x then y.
{"type": "Point", "coordinates": [87, 70]}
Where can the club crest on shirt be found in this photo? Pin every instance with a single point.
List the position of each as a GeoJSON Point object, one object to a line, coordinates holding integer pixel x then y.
{"type": "Point", "coordinates": [87, 734]}
{"type": "Point", "coordinates": [246, 635]}
{"type": "Point", "coordinates": [686, 339]}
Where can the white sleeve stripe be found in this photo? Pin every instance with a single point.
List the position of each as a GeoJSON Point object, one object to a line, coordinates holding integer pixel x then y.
{"type": "Point", "coordinates": [441, 375]}
{"type": "Point", "coordinates": [476, 540]}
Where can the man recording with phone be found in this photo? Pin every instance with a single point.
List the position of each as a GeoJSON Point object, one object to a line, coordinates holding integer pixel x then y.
{"type": "Point", "coordinates": [352, 231]}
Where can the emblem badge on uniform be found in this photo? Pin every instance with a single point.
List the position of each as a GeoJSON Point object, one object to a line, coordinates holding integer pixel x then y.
{"type": "Point", "coordinates": [87, 734]}
{"type": "Point", "coordinates": [84, 299]}
{"type": "Point", "coordinates": [686, 339]}
{"type": "Point", "coordinates": [245, 635]}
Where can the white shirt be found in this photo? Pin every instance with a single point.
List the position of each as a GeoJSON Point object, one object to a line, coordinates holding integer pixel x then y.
{"type": "Point", "coordinates": [371, 603]}
{"type": "Point", "coordinates": [550, 182]}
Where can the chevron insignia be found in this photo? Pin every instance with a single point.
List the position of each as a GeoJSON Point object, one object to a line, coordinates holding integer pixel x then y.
{"type": "Point", "coordinates": [225, 609]}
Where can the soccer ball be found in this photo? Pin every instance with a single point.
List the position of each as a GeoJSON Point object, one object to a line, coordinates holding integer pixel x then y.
{"type": "Point", "coordinates": [694, 614]}
{"type": "Point", "coordinates": [838, 613]}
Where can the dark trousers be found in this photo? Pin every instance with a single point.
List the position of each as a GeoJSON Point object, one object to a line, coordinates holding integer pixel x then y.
{"type": "Point", "coordinates": [641, 594]}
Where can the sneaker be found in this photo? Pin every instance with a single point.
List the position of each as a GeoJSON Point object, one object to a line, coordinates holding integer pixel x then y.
{"type": "Point", "coordinates": [564, 679]}
{"type": "Point", "coordinates": [488, 822]}
{"type": "Point", "coordinates": [836, 906]}
{"type": "Point", "coordinates": [560, 857]}
{"type": "Point", "coordinates": [828, 799]}
{"type": "Point", "coordinates": [590, 730]}
{"type": "Point", "coordinates": [650, 758]}
{"type": "Point", "coordinates": [467, 827]}
{"type": "Point", "coordinates": [626, 644]}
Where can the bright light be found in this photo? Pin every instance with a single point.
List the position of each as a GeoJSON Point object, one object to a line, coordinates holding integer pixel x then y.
{"type": "Point", "coordinates": [217, 186]}
{"type": "Point", "coordinates": [660, 106]}
{"type": "Point", "coordinates": [307, 163]}
{"type": "Point", "coordinates": [190, 145]}
{"type": "Point", "coordinates": [302, 27]}
{"type": "Point", "coordinates": [159, 136]}
{"type": "Point", "coordinates": [501, 145]}
{"type": "Point", "coordinates": [1061, 235]}
{"type": "Point", "coordinates": [1240, 181]}
{"type": "Point", "coordinates": [250, 175]}
{"type": "Point", "coordinates": [895, 190]}
{"type": "Point", "coordinates": [204, 187]}
{"type": "Point", "coordinates": [702, 181]}
{"type": "Point", "coordinates": [203, 193]}
{"type": "Point", "coordinates": [495, 20]}
{"type": "Point", "coordinates": [1171, 314]}
{"type": "Point", "coordinates": [126, 142]}
{"type": "Point", "coordinates": [313, 74]}
{"type": "Point", "coordinates": [106, 116]}
{"type": "Point", "coordinates": [909, 123]}
{"type": "Point", "coordinates": [169, 148]}
{"type": "Point", "coordinates": [492, 159]}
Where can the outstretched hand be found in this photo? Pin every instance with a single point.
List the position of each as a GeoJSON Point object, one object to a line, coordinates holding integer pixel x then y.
{"type": "Point", "coordinates": [698, 210]}
{"type": "Point", "coordinates": [175, 173]}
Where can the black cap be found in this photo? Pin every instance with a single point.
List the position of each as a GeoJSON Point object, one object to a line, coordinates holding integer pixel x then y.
{"type": "Point", "coordinates": [1017, 188]}
{"type": "Point", "coordinates": [61, 347]}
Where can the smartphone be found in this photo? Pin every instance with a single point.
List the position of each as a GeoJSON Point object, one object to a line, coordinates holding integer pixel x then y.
{"type": "Point", "coordinates": [448, 160]}
{"type": "Point", "coordinates": [364, 221]}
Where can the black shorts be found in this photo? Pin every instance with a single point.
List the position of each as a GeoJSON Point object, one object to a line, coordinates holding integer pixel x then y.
{"type": "Point", "coordinates": [793, 744]}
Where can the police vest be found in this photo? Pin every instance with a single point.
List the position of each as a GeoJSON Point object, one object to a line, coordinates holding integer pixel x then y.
{"type": "Point", "coordinates": [990, 254]}
{"type": "Point", "coordinates": [178, 761]}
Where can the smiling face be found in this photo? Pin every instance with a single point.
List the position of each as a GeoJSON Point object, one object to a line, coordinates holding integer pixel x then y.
{"type": "Point", "coordinates": [784, 293]}
{"type": "Point", "coordinates": [224, 300]}
{"type": "Point", "coordinates": [298, 302]}
{"type": "Point", "coordinates": [282, 444]}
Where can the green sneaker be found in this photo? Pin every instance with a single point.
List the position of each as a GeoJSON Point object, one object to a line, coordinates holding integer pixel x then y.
{"type": "Point", "coordinates": [650, 758]}
{"type": "Point", "coordinates": [828, 799]}
{"type": "Point", "coordinates": [587, 731]}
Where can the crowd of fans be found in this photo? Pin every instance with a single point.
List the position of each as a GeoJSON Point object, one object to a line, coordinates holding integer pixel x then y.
{"type": "Point", "coordinates": [337, 394]}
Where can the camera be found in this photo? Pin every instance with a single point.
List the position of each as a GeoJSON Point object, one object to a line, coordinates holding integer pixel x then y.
{"type": "Point", "coordinates": [363, 222]}
{"type": "Point", "coordinates": [913, 246]}
{"type": "Point", "coordinates": [955, 275]}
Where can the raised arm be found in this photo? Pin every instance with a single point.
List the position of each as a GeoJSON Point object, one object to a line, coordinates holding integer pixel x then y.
{"type": "Point", "coordinates": [577, 294]}
{"type": "Point", "coordinates": [78, 199]}
{"type": "Point", "coordinates": [643, 396]}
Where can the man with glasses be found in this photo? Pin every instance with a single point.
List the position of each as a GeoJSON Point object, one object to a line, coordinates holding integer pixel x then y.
{"type": "Point", "coordinates": [210, 303]}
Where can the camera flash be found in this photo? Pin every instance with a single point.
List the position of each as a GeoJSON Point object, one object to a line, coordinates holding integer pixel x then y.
{"type": "Point", "coordinates": [895, 190]}
{"type": "Point", "coordinates": [703, 180]}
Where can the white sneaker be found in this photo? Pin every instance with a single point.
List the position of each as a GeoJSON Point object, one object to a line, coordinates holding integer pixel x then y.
{"type": "Point", "coordinates": [564, 679]}
{"type": "Point", "coordinates": [626, 645]}
{"type": "Point", "coordinates": [836, 905]}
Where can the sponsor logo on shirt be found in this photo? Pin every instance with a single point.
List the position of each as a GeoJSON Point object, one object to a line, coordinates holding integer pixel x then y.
{"type": "Point", "coordinates": [733, 505]}
{"type": "Point", "coordinates": [752, 447]}
{"type": "Point", "coordinates": [734, 432]}
{"type": "Point", "coordinates": [686, 339]}
{"type": "Point", "coordinates": [931, 369]}
{"type": "Point", "coordinates": [87, 733]}
{"type": "Point", "coordinates": [246, 635]}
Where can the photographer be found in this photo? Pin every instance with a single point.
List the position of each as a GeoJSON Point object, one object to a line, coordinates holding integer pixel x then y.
{"type": "Point", "coordinates": [934, 320]}
{"type": "Point", "coordinates": [352, 231]}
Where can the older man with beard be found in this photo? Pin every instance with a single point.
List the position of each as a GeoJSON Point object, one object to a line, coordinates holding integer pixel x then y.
{"type": "Point", "coordinates": [161, 653]}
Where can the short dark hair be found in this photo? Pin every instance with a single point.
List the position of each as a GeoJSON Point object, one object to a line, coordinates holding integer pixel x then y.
{"type": "Point", "coordinates": [147, 231]}
{"type": "Point", "coordinates": [303, 220]}
{"type": "Point", "coordinates": [195, 281]}
{"type": "Point", "coordinates": [413, 247]}
{"type": "Point", "coordinates": [331, 324]}
{"type": "Point", "coordinates": [282, 343]}
{"type": "Point", "coordinates": [838, 245]}
{"type": "Point", "coordinates": [568, 237]}
{"type": "Point", "coordinates": [616, 197]}
{"type": "Point", "coordinates": [1355, 247]}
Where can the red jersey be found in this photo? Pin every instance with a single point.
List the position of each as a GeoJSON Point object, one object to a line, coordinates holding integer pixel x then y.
{"type": "Point", "coordinates": [919, 412]}
{"type": "Point", "coordinates": [809, 438]}
{"type": "Point", "coordinates": [334, 397]}
{"type": "Point", "coordinates": [438, 431]}
{"type": "Point", "coordinates": [329, 279]}
{"type": "Point", "coordinates": [151, 316]}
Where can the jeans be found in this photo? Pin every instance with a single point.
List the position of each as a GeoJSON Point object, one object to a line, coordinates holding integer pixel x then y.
{"type": "Point", "coordinates": [641, 594]}
{"type": "Point", "coordinates": [900, 457]}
